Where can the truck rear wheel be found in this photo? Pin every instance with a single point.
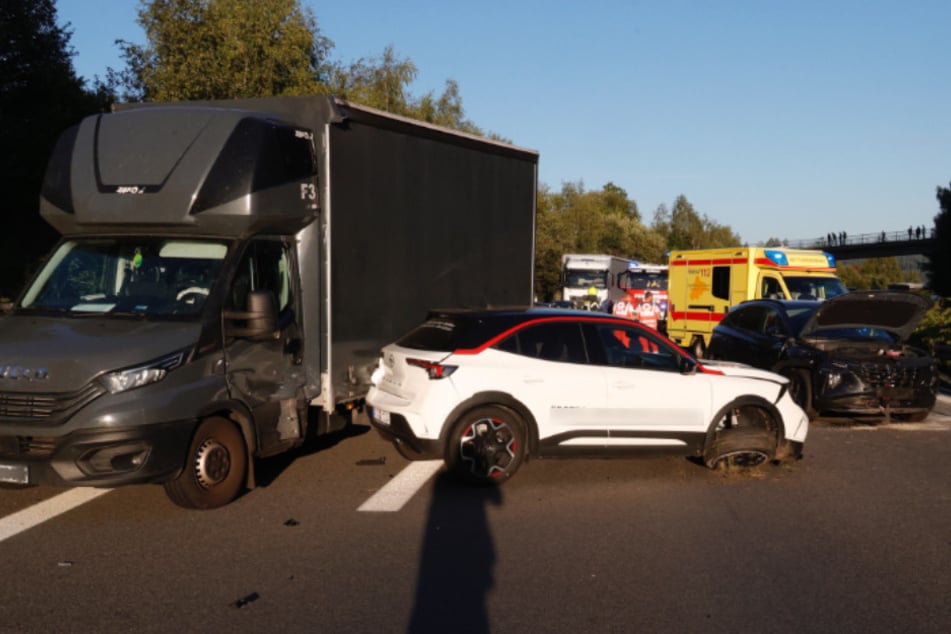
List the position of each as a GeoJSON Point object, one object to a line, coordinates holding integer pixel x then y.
{"type": "Point", "coordinates": [215, 467]}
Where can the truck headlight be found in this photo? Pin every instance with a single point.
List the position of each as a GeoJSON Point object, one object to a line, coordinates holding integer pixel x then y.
{"type": "Point", "coordinates": [131, 378]}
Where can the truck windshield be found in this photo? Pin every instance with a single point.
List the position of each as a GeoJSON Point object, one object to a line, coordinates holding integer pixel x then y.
{"type": "Point", "coordinates": [814, 287]}
{"type": "Point", "coordinates": [644, 280]}
{"type": "Point", "coordinates": [137, 276]}
{"type": "Point", "coordinates": [586, 278]}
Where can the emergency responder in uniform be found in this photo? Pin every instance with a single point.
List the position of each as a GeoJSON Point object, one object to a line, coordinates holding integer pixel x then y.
{"type": "Point", "coordinates": [624, 307]}
{"type": "Point", "coordinates": [647, 312]}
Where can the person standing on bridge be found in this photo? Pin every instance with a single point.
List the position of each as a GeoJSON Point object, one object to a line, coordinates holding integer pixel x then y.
{"type": "Point", "coordinates": [909, 232]}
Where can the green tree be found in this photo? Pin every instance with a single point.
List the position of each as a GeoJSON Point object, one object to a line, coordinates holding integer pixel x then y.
{"type": "Point", "coordinates": [575, 220]}
{"type": "Point", "coordinates": [875, 273]}
{"type": "Point", "coordinates": [616, 201]}
{"type": "Point", "coordinates": [222, 49]}
{"type": "Point", "coordinates": [851, 276]}
{"type": "Point", "coordinates": [40, 95]}
{"type": "Point", "coordinates": [383, 82]}
{"type": "Point", "coordinates": [938, 264]}
{"type": "Point", "coordinates": [684, 228]}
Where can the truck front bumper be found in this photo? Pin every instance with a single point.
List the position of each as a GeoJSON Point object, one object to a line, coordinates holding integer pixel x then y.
{"type": "Point", "coordinates": [147, 453]}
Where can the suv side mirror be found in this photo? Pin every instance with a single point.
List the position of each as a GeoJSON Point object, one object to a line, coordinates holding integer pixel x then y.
{"type": "Point", "coordinates": [687, 365]}
{"type": "Point", "coordinates": [260, 319]}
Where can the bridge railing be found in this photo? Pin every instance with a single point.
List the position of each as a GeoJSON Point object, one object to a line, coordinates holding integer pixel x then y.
{"type": "Point", "coordinates": [839, 240]}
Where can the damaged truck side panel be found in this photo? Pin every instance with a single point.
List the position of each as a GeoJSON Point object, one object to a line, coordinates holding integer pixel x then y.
{"type": "Point", "coordinates": [227, 274]}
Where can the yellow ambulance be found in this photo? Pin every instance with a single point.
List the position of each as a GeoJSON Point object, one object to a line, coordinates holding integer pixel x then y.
{"type": "Point", "coordinates": [704, 284]}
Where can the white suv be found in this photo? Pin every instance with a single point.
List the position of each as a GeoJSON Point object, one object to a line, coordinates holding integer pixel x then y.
{"type": "Point", "coordinates": [484, 390]}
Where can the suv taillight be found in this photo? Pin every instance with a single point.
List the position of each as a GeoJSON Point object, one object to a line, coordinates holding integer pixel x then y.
{"type": "Point", "coordinates": [433, 369]}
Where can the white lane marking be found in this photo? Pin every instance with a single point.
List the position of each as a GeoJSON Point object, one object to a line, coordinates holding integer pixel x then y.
{"type": "Point", "coordinates": [46, 510]}
{"type": "Point", "coordinates": [402, 488]}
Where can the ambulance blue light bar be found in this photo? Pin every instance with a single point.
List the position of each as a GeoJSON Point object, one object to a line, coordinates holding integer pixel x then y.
{"type": "Point", "coordinates": [778, 257]}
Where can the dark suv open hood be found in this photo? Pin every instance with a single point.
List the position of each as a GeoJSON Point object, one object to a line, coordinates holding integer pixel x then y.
{"type": "Point", "coordinates": [897, 312]}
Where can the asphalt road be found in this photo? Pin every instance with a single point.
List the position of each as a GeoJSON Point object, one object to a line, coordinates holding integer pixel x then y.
{"type": "Point", "coordinates": [856, 537]}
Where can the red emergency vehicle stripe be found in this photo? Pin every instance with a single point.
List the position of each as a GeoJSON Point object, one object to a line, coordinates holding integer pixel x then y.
{"type": "Point", "coordinates": [762, 262]}
{"type": "Point", "coordinates": [677, 315]}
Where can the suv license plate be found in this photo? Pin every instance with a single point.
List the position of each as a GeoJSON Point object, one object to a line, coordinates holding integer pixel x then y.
{"type": "Point", "coordinates": [14, 473]}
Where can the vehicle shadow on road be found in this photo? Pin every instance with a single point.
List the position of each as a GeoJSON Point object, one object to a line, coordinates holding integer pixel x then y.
{"type": "Point", "coordinates": [267, 470]}
{"type": "Point", "coordinates": [457, 564]}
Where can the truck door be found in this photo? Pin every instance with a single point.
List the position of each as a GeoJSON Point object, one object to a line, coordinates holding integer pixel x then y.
{"type": "Point", "coordinates": [268, 376]}
{"type": "Point", "coordinates": [771, 287]}
{"type": "Point", "coordinates": [740, 287]}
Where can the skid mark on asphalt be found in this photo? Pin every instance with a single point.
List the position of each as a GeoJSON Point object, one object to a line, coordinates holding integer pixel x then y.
{"type": "Point", "coordinates": [398, 491]}
{"type": "Point", "coordinates": [46, 510]}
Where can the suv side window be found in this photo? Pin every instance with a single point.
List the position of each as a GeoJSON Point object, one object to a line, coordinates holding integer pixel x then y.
{"type": "Point", "coordinates": [633, 347]}
{"type": "Point", "coordinates": [773, 324]}
{"type": "Point", "coordinates": [552, 341]}
{"type": "Point", "coordinates": [749, 318]}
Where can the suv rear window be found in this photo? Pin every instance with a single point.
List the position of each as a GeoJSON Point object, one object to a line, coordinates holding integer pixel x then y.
{"type": "Point", "coordinates": [439, 332]}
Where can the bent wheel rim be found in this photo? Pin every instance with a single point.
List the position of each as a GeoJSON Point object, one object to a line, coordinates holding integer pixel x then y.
{"type": "Point", "coordinates": [488, 447]}
{"type": "Point", "coordinates": [744, 458]}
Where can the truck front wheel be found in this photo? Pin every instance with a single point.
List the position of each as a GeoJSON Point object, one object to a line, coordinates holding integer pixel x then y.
{"type": "Point", "coordinates": [215, 467]}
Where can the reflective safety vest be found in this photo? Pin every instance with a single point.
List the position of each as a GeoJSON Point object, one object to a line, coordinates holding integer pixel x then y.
{"type": "Point", "coordinates": [647, 314]}
{"type": "Point", "coordinates": [623, 308]}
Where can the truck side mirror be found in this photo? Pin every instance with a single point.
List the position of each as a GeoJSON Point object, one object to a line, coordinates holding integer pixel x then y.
{"type": "Point", "coordinates": [259, 320]}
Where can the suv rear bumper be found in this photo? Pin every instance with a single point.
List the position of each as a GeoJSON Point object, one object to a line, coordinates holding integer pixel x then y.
{"type": "Point", "coordinates": [398, 430]}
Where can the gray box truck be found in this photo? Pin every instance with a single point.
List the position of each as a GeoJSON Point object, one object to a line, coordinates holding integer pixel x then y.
{"type": "Point", "coordinates": [227, 274]}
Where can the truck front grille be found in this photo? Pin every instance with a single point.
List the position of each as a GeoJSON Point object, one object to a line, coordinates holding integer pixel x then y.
{"type": "Point", "coordinates": [51, 407]}
{"type": "Point", "coordinates": [26, 446]}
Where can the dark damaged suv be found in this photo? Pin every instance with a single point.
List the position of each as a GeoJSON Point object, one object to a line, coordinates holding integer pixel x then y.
{"type": "Point", "coordinates": [845, 355]}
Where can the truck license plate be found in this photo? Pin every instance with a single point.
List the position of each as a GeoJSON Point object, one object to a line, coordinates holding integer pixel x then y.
{"type": "Point", "coordinates": [14, 473]}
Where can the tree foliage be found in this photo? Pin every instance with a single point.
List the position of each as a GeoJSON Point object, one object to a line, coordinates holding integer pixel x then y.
{"type": "Point", "coordinates": [383, 82]}
{"type": "Point", "coordinates": [875, 273]}
{"type": "Point", "coordinates": [222, 49]}
{"type": "Point", "coordinates": [683, 228]}
{"type": "Point", "coordinates": [938, 265]}
{"type": "Point", "coordinates": [40, 95]}
{"type": "Point", "coordinates": [607, 221]}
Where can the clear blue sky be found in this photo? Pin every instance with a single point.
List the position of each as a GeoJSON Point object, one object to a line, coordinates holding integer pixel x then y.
{"type": "Point", "coordinates": [779, 118]}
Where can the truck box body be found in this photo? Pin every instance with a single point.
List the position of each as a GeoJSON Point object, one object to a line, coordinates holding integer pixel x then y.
{"type": "Point", "coordinates": [704, 284]}
{"type": "Point", "coordinates": [336, 226]}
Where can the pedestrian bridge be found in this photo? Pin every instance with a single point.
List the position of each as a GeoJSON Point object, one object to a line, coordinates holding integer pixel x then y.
{"type": "Point", "coordinates": [885, 244]}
